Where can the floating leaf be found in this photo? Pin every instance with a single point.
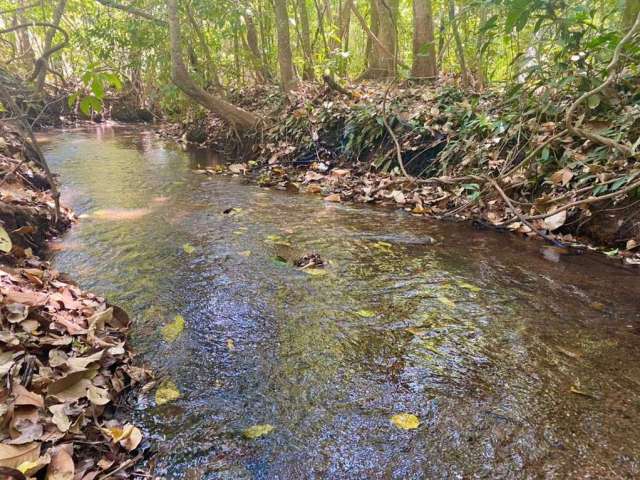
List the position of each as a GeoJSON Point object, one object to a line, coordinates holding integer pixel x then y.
{"type": "Point", "coordinates": [5, 241]}
{"type": "Point", "coordinates": [257, 431]}
{"type": "Point", "coordinates": [167, 392]}
{"type": "Point", "coordinates": [231, 346]}
{"type": "Point", "coordinates": [188, 248]}
{"type": "Point", "coordinates": [172, 331]}
{"type": "Point", "coordinates": [405, 421]}
{"type": "Point", "coordinates": [446, 301]}
{"type": "Point", "coordinates": [469, 286]}
{"type": "Point", "coordinates": [278, 260]}
{"type": "Point", "coordinates": [245, 253]}
{"type": "Point", "coordinates": [417, 331]}
{"type": "Point", "coordinates": [384, 246]}
{"type": "Point", "coordinates": [316, 272]}
{"type": "Point", "coordinates": [365, 313]}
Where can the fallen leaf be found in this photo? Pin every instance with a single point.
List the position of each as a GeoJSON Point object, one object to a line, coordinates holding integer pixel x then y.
{"type": "Point", "coordinates": [398, 196]}
{"type": "Point", "coordinates": [555, 221]}
{"type": "Point", "coordinates": [60, 417]}
{"type": "Point", "coordinates": [11, 456]}
{"type": "Point", "coordinates": [561, 177]}
{"type": "Point", "coordinates": [405, 421]}
{"type": "Point", "coordinates": [365, 313]}
{"type": "Point", "coordinates": [132, 440]}
{"type": "Point", "coordinates": [24, 397]}
{"type": "Point", "coordinates": [31, 467]}
{"type": "Point", "coordinates": [188, 248]}
{"type": "Point", "coordinates": [257, 431]}
{"type": "Point", "coordinates": [231, 346]}
{"type": "Point", "coordinates": [167, 392]}
{"type": "Point", "coordinates": [97, 395]}
{"type": "Point", "coordinates": [469, 286]}
{"type": "Point", "coordinates": [334, 197]}
{"type": "Point", "coordinates": [17, 312]}
{"type": "Point", "coordinates": [61, 466]}
{"type": "Point", "coordinates": [245, 253]}
{"type": "Point", "coordinates": [316, 272]}
{"type": "Point", "coordinates": [446, 301]}
{"type": "Point", "coordinates": [172, 331]}
{"type": "Point", "coordinates": [238, 168]}
{"type": "Point", "coordinates": [5, 241]}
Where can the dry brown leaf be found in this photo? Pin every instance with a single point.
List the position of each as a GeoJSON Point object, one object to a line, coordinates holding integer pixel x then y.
{"type": "Point", "coordinates": [334, 197]}
{"type": "Point", "coordinates": [11, 456]}
{"type": "Point", "coordinates": [61, 466]}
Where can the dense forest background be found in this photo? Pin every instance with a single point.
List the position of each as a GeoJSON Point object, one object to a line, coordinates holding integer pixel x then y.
{"type": "Point", "coordinates": [523, 112]}
{"type": "Point", "coordinates": [562, 44]}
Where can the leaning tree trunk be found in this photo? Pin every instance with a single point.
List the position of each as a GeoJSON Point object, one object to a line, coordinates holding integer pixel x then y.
{"type": "Point", "coordinates": [285, 58]}
{"type": "Point", "coordinates": [424, 50]}
{"type": "Point", "coordinates": [239, 118]}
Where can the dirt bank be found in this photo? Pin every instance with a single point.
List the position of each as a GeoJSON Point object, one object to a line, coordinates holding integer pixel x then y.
{"type": "Point", "coordinates": [507, 162]}
{"type": "Point", "coordinates": [65, 363]}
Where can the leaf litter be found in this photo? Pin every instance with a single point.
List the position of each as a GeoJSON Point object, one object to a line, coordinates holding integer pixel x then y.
{"type": "Point", "coordinates": [64, 358]}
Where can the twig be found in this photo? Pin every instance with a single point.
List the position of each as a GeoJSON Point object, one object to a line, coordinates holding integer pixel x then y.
{"type": "Point", "coordinates": [125, 465]}
{"type": "Point", "coordinates": [535, 151]}
{"type": "Point", "coordinates": [586, 201]}
{"type": "Point", "coordinates": [522, 217]}
{"type": "Point", "coordinates": [393, 135]}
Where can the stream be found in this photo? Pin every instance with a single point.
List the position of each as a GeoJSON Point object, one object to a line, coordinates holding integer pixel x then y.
{"type": "Point", "coordinates": [518, 364]}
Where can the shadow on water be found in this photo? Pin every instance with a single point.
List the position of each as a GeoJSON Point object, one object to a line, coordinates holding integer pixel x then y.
{"type": "Point", "coordinates": [516, 366]}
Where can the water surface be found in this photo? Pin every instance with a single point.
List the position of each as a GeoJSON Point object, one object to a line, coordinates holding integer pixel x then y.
{"type": "Point", "coordinates": [517, 367]}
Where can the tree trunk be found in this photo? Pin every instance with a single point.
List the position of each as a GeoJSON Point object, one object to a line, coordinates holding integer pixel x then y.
{"type": "Point", "coordinates": [239, 118]}
{"type": "Point", "coordinates": [459, 47]}
{"type": "Point", "coordinates": [424, 51]}
{"type": "Point", "coordinates": [285, 59]}
{"type": "Point", "coordinates": [383, 59]}
{"type": "Point", "coordinates": [374, 23]}
{"type": "Point", "coordinates": [261, 71]}
{"type": "Point", "coordinates": [211, 72]}
{"type": "Point", "coordinates": [305, 34]}
{"type": "Point", "coordinates": [43, 62]}
{"type": "Point", "coordinates": [25, 50]}
{"type": "Point", "coordinates": [629, 14]}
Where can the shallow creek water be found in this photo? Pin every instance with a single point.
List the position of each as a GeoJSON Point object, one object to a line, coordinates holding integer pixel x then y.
{"type": "Point", "coordinates": [518, 367]}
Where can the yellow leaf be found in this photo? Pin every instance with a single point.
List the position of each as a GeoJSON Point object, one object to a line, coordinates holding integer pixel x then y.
{"type": "Point", "coordinates": [316, 272]}
{"type": "Point", "coordinates": [172, 331]}
{"type": "Point", "coordinates": [365, 313]}
{"type": "Point", "coordinates": [167, 392]}
{"type": "Point", "coordinates": [258, 431]}
{"type": "Point", "coordinates": [231, 345]}
{"type": "Point", "coordinates": [446, 301]}
{"type": "Point", "coordinates": [405, 421]}
{"type": "Point", "coordinates": [245, 253]}
{"type": "Point", "coordinates": [5, 241]}
{"type": "Point", "coordinates": [470, 287]}
{"type": "Point", "coordinates": [188, 248]}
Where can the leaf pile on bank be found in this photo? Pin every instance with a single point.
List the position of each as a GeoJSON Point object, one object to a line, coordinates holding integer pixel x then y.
{"type": "Point", "coordinates": [460, 149]}
{"type": "Point", "coordinates": [64, 362]}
